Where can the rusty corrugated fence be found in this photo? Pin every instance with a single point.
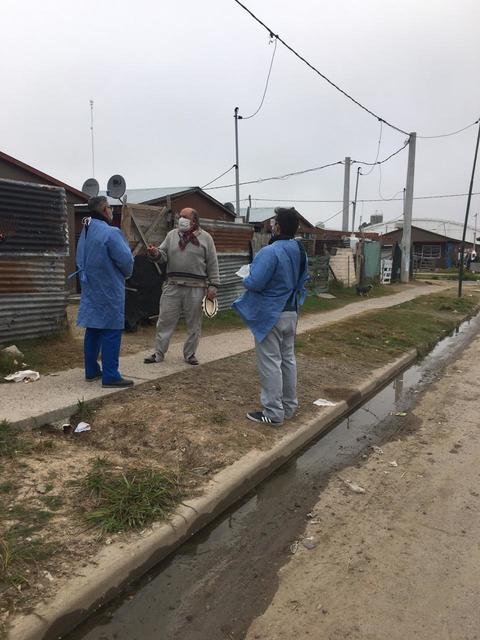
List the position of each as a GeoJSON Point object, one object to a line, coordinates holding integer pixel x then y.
{"type": "Point", "coordinates": [33, 246]}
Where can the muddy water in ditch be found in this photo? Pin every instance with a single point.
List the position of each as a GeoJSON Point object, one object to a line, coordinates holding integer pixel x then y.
{"type": "Point", "coordinates": [226, 575]}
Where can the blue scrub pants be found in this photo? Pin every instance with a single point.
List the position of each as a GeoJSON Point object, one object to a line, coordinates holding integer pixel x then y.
{"type": "Point", "coordinates": [106, 341]}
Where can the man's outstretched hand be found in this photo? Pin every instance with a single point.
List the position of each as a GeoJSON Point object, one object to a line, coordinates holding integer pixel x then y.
{"type": "Point", "coordinates": [153, 251]}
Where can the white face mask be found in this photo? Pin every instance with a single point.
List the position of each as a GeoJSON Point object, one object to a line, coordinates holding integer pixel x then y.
{"type": "Point", "coordinates": [184, 224]}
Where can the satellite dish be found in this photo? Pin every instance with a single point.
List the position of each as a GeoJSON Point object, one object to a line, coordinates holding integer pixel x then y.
{"type": "Point", "coordinates": [116, 187]}
{"type": "Point", "coordinates": [320, 225]}
{"type": "Point", "coordinates": [229, 206]}
{"type": "Point", "coordinates": [91, 187]}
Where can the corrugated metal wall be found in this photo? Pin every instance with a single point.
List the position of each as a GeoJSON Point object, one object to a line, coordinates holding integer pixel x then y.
{"type": "Point", "coordinates": [33, 246]}
{"type": "Point", "coordinates": [230, 285]}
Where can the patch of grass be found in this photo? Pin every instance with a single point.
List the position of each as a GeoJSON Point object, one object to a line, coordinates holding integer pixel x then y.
{"type": "Point", "coordinates": [119, 500]}
{"type": "Point", "coordinates": [6, 364]}
{"type": "Point", "coordinates": [219, 418]}
{"type": "Point", "coordinates": [51, 353]}
{"type": "Point", "coordinates": [17, 555]}
{"type": "Point", "coordinates": [377, 336]}
{"type": "Point", "coordinates": [7, 487]}
{"type": "Point", "coordinates": [52, 502]}
{"type": "Point", "coordinates": [11, 442]}
{"type": "Point", "coordinates": [84, 411]}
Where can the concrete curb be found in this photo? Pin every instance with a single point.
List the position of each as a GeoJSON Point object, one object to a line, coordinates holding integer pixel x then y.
{"type": "Point", "coordinates": [115, 567]}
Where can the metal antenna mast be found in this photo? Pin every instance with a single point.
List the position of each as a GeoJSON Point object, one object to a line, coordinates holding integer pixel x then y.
{"type": "Point", "coordinates": [93, 145]}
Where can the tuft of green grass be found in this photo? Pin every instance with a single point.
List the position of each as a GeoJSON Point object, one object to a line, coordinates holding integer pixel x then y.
{"type": "Point", "coordinates": [132, 498]}
{"type": "Point", "coordinates": [17, 554]}
{"type": "Point", "coordinates": [84, 412]}
{"type": "Point", "coordinates": [11, 442]}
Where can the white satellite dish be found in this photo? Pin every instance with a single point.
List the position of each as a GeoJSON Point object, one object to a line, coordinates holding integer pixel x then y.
{"type": "Point", "coordinates": [91, 187]}
{"type": "Point", "coordinates": [116, 187]}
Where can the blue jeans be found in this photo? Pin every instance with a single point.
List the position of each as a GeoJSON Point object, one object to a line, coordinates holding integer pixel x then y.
{"type": "Point", "coordinates": [106, 341]}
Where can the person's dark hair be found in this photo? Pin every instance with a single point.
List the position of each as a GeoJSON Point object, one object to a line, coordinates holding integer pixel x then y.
{"type": "Point", "coordinates": [287, 219]}
{"type": "Point", "coordinates": [96, 204]}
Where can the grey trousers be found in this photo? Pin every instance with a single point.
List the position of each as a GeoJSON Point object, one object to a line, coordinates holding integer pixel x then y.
{"type": "Point", "coordinates": [277, 368]}
{"type": "Point", "coordinates": [174, 301]}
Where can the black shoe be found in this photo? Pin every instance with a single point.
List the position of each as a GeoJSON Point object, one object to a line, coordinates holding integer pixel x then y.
{"type": "Point", "coordinates": [155, 357]}
{"type": "Point", "coordinates": [122, 382]}
{"type": "Point", "coordinates": [93, 378]}
{"type": "Point", "coordinates": [259, 416]}
{"type": "Point", "coordinates": [192, 360]}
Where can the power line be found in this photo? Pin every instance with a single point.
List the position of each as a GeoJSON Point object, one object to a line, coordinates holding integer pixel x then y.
{"type": "Point", "coordinates": [266, 84]}
{"type": "Point", "coordinates": [331, 217]}
{"type": "Point", "coordinates": [379, 162]}
{"type": "Point", "coordinates": [282, 177]}
{"type": "Point", "coordinates": [304, 171]}
{"type": "Point", "coordinates": [378, 151]}
{"type": "Point", "coordinates": [335, 86]}
{"type": "Point", "coordinates": [218, 177]}
{"type": "Point", "coordinates": [433, 197]}
{"type": "Point", "coordinates": [322, 75]}
{"type": "Point", "coordinates": [453, 133]}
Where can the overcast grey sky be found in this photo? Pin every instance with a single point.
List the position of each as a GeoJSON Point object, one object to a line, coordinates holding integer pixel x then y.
{"type": "Point", "coordinates": [166, 77]}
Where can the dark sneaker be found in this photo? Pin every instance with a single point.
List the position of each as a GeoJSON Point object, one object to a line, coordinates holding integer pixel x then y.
{"type": "Point", "coordinates": [93, 378]}
{"type": "Point", "coordinates": [122, 382]}
{"type": "Point", "coordinates": [155, 357]}
{"type": "Point", "coordinates": [259, 416]}
{"type": "Point", "coordinates": [192, 360]}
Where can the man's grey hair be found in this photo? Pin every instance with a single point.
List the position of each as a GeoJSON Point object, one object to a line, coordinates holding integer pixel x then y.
{"type": "Point", "coordinates": [97, 203]}
{"type": "Point", "coordinates": [195, 216]}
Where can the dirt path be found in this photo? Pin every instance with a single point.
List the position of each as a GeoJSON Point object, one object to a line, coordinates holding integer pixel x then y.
{"type": "Point", "coordinates": [401, 560]}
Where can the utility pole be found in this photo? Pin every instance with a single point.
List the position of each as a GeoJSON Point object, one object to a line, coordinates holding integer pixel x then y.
{"type": "Point", "coordinates": [91, 131]}
{"type": "Point", "coordinates": [475, 234]}
{"type": "Point", "coordinates": [469, 199]}
{"type": "Point", "coordinates": [359, 173]}
{"type": "Point", "coordinates": [407, 213]}
{"type": "Point", "coordinates": [237, 168]}
{"type": "Point", "coordinates": [346, 194]}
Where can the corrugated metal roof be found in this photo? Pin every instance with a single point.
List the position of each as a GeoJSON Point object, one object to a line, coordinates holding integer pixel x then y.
{"type": "Point", "coordinates": [259, 214]}
{"type": "Point", "coordinates": [143, 196]}
{"type": "Point", "coordinates": [446, 228]}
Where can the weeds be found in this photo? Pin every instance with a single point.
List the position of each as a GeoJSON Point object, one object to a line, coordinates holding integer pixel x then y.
{"type": "Point", "coordinates": [11, 442]}
{"type": "Point", "coordinates": [118, 500]}
{"type": "Point", "coordinates": [17, 555]}
{"type": "Point", "coordinates": [84, 412]}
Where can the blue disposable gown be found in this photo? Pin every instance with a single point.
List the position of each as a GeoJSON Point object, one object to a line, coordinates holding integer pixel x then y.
{"type": "Point", "coordinates": [104, 260]}
{"type": "Point", "coordinates": [274, 277]}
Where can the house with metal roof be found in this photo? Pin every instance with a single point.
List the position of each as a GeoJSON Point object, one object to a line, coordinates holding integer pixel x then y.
{"type": "Point", "coordinates": [435, 242]}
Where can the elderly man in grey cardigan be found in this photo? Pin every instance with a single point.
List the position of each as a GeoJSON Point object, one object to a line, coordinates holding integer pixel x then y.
{"type": "Point", "coordinates": [192, 272]}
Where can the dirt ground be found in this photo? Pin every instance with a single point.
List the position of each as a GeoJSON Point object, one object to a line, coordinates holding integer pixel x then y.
{"type": "Point", "coordinates": [191, 424]}
{"type": "Point", "coordinates": [401, 560]}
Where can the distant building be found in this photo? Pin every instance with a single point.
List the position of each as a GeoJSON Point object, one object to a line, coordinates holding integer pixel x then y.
{"type": "Point", "coordinates": [435, 242]}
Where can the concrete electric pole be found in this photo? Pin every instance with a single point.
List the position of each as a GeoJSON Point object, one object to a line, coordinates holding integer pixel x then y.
{"type": "Point", "coordinates": [346, 195]}
{"type": "Point", "coordinates": [407, 214]}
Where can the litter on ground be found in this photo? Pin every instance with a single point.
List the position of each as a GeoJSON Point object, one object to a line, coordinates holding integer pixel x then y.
{"type": "Point", "coordinates": [81, 427]}
{"type": "Point", "coordinates": [321, 402]}
{"type": "Point", "coordinates": [353, 486]}
{"type": "Point", "coordinates": [23, 376]}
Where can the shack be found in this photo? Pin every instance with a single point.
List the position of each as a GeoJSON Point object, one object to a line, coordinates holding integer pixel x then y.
{"type": "Point", "coordinates": [144, 224]}
{"type": "Point", "coordinates": [33, 248]}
